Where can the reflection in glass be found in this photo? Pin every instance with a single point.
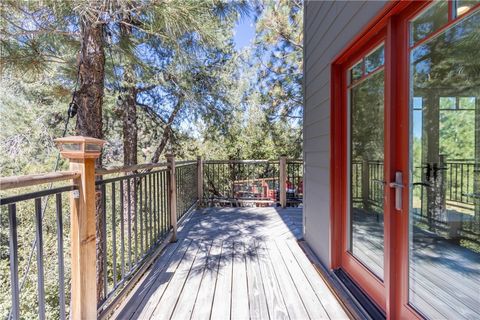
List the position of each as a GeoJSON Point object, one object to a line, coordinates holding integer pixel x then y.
{"type": "Point", "coordinates": [463, 6]}
{"type": "Point", "coordinates": [366, 172]}
{"type": "Point", "coordinates": [375, 59]}
{"type": "Point", "coordinates": [432, 19]}
{"type": "Point", "coordinates": [356, 72]}
{"type": "Point", "coordinates": [445, 173]}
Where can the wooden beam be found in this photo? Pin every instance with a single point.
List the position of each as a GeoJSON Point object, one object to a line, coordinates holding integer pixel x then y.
{"type": "Point", "coordinates": [7, 183]}
{"type": "Point", "coordinates": [172, 195]}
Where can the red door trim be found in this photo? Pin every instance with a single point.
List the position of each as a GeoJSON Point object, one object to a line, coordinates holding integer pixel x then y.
{"type": "Point", "coordinates": [357, 271]}
{"type": "Point", "coordinates": [392, 294]}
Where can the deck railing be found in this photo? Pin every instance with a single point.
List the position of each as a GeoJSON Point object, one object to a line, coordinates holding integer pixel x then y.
{"type": "Point", "coordinates": [253, 182]}
{"type": "Point", "coordinates": [37, 224]}
{"type": "Point", "coordinates": [85, 254]}
{"type": "Point", "coordinates": [187, 178]}
{"type": "Point", "coordinates": [135, 221]}
{"type": "Point", "coordinates": [136, 211]}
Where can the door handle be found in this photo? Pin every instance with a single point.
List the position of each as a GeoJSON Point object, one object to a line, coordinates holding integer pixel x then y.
{"type": "Point", "coordinates": [398, 185]}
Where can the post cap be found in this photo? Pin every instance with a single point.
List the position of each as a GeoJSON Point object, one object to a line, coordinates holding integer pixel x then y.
{"type": "Point", "coordinates": [78, 147]}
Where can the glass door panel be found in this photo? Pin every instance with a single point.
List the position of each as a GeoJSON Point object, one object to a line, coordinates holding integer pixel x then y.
{"type": "Point", "coordinates": [444, 259]}
{"type": "Point", "coordinates": [366, 95]}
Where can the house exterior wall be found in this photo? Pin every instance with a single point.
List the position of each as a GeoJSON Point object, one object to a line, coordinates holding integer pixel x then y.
{"type": "Point", "coordinates": [329, 26]}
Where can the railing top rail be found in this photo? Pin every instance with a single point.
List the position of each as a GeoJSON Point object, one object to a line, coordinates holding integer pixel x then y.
{"type": "Point", "coordinates": [37, 194]}
{"type": "Point", "coordinates": [460, 160]}
{"type": "Point", "coordinates": [294, 160]}
{"type": "Point", "coordinates": [144, 166]}
{"type": "Point", "coordinates": [129, 176]}
{"type": "Point", "coordinates": [239, 161]}
{"type": "Point", "coordinates": [185, 163]}
{"type": "Point", "coordinates": [15, 182]}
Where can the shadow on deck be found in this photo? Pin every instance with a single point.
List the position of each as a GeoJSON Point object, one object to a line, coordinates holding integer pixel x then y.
{"type": "Point", "coordinates": [234, 263]}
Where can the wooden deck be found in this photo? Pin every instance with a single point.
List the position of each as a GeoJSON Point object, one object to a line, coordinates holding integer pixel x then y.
{"type": "Point", "coordinates": [234, 263]}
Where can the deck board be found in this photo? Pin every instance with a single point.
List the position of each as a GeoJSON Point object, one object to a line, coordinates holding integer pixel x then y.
{"type": "Point", "coordinates": [204, 300]}
{"type": "Point", "coordinates": [223, 290]}
{"type": "Point", "coordinates": [256, 291]}
{"type": "Point", "coordinates": [234, 263]}
{"type": "Point", "coordinates": [240, 303]}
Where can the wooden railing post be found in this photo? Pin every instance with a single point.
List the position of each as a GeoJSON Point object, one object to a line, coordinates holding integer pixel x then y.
{"type": "Point", "coordinates": [283, 181]}
{"type": "Point", "coordinates": [200, 181]}
{"type": "Point", "coordinates": [82, 153]}
{"type": "Point", "coordinates": [172, 194]}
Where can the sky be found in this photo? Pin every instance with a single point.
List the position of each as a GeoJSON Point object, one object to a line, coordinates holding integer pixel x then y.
{"type": "Point", "coordinates": [244, 33]}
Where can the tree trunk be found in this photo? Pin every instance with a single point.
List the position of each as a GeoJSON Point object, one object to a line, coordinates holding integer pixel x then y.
{"type": "Point", "coordinates": [89, 98]}
{"type": "Point", "coordinates": [167, 131]}
{"type": "Point", "coordinates": [130, 139]}
{"type": "Point", "coordinates": [130, 128]}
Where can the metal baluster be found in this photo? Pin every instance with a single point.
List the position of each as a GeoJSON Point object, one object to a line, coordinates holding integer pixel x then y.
{"type": "Point", "coordinates": [180, 193]}
{"type": "Point", "coordinates": [129, 225]}
{"type": "Point", "coordinates": [451, 180]}
{"type": "Point", "coordinates": [154, 204]}
{"type": "Point", "coordinates": [146, 225]}
{"type": "Point", "coordinates": [222, 181]}
{"type": "Point", "coordinates": [104, 239]}
{"type": "Point", "coordinates": [114, 237]}
{"type": "Point", "coordinates": [136, 210]}
{"type": "Point", "coordinates": [40, 271]}
{"type": "Point", "coordinates": [165, 200]}
{"type": "Point", "coordinates": [159, 213]}
{"type": "Point", "coordinates": [457, 172]}
{"type": "Point", "coordinates": [13, 248]}
{"type": "Point", "coordinates": [159, 203]}
{"type": "Point", "coordinates": [461, 181]}
{"type": "Point", "coordinates": [122, 232]}
{"type": "Point", "coordinates": [61, 265]}
{"type": "Point", "coordinates": [141, 213]}
{"type": "Point", "coordinates": [468, 184]}
{"type": "Point", "coordinates": [162, 210]}
{"type": "Point", "coordinates": [150, 209]}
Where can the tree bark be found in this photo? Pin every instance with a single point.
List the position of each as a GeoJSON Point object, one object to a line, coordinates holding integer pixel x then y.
{"type": "Point", "coordinates": [130, 137]}
{"type": "Point", "coordinates": [89, 98]}
{"type": "Point", "coordinates": [130, 128]}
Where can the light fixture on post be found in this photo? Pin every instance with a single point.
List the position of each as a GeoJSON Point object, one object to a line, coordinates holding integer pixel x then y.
{"type": "Point", "coordinates": [78, 147]}
{"type": "Point", "coordinates": [82, 153]}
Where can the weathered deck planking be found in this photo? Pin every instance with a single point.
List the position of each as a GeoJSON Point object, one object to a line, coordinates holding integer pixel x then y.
{"type": "Point", "coordinates": [234, 263]}
{"type": "Point", "coordinates": [223, 293]}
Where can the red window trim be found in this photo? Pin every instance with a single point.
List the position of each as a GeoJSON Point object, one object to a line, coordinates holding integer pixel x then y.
{"type": "Point", "coordinates": [451, 21]}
